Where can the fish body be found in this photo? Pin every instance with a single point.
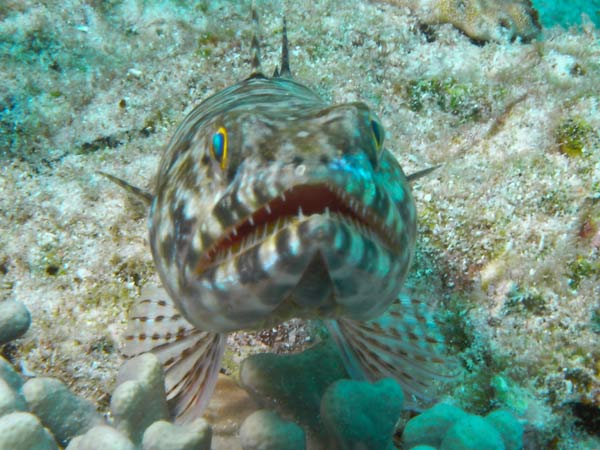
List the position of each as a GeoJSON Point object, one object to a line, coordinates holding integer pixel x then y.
{"type": "Point", "coordinates": [308, 217]}
{"type": "Point", "coordinates": [271, 203]}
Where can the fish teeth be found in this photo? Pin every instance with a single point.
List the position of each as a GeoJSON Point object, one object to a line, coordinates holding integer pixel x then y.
{"type": "Point", "coordinates": [327, 212]}
{"type": "Point", "coordinates": [268, 208]}
{"type": "Point", "coordinates": [300, 214]}
{"type": "Point", "coordinates": [251, 220]}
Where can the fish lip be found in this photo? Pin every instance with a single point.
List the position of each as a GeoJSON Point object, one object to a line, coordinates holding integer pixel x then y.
{"type": "Point", "coordinates": [297, 203]}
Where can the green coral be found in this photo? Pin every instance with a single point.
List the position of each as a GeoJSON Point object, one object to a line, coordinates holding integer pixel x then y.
{"type": "Point", "coordinates": [572, 136]}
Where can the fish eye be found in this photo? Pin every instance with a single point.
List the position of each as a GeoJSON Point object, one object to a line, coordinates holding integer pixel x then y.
{"type": "Point", "coordinates": [378, 133]}
{"type": "Point", "coordinates": [218, 147]}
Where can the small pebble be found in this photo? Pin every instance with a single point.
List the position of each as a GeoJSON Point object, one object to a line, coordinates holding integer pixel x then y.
{"type": "Point", "coordinates": [430, 427]}
{"type": "Point", "coordinates": [10, 400]}
{"type": "Point", "coordinates": [135, 72]}
{"type": "Point", "coordinates": [472, 433]}
{"type": "Point", "coordinates": [139, 399]}
{"type": "Point", "coordinates": [10, 375]}
{"type": "Point", "coordinates": [59, 409]}
{"type": "Point", "coordinates": [163, 435]}
{"type": "Point", "coordinates": [21, 430]}
{"type": "Point", "coordinates": [101, 437]}
{"type": "Point", "coordinates": [265, 430]}
{"type": "Point", "coordinates": [14, 320]}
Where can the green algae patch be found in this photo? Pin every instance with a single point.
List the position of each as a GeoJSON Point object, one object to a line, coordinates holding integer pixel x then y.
{"type": "Point", "coordinates": [524, 299]}
{"type": "Point", "coordinates": [596, 327]}
{"type": "Point", "coordinates": [510, 394]}
{"type": "Point", "coordinates": [573, 135]}
{"type": "Point", "coordinates": [459, 99]}
{"type": "Point", "coordinates": [581, 268]}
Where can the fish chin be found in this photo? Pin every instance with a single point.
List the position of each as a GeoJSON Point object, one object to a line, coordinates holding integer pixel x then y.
{"type": "Point", "coordinates": [311, 252]}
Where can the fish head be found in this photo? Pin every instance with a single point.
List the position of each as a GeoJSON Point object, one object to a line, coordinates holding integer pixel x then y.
{"type": "Point", "coordinates": [262, 214]}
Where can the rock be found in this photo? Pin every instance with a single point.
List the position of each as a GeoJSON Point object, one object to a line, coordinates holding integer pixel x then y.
{"type": "Point", "coordinates": [60, 410]}
{"type": "Point", "coordinates": [14, 320]}
{"type": "Point", "coordinates": [21, 430]}
{"type": "Point", "coordinates": [294, 382]}
{"type": "Point", "coordinates": [163, 435]}
{"type": "Point", "coordinates": [509, 427]}
{"type": "Point", "coordinates": [8, 374]}
{"type": "Point", "coordinates": [359, 414]}
{"type": "Point", "coordinates": [481, 20]}
{"type": "Point", "coordinates": [430, 427]}
{"type": "Point", "coordinates": [265, 430]}
{"type": "Point", "coordinates": [226, 411]}
{"type": "Point", "coordinates": [101, 437]}
{"type": "Point", "coordinates": [472, 433]}
{"type": "Point", "coordinates": [139, 399]}
{"type": "Point", "coordinates": [10, 400]}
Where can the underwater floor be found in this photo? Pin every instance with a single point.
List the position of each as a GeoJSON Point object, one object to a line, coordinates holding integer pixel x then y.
{"type": "Point", "coordinates": [509, 224]}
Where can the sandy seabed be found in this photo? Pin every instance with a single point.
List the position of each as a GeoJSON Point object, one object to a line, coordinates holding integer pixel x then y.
{"type": "Point", "coordinates": [509, 223]}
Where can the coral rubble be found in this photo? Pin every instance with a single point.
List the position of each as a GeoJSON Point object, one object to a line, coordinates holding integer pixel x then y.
{"type": "Point", "coordinates": [481, 20]}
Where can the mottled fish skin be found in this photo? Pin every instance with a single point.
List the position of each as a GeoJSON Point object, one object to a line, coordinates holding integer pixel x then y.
{"type": "Point", "coordinates": [310, 218]}
{"type": "Point", "coordinates": [270, 204]}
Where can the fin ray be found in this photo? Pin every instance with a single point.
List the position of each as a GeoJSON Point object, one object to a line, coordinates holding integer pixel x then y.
{"type": "Point", "coordinates": [255, 43]}
{"type": "Point", "coordinates": [191, 358]}
{"type": "Point", "coordinates": [141, 194]}
{"type": "Point", "coordinates": [404, 343]}
{"type": "Point", "coordinates": [421, 173]}
{"type": "Point", "coordinates": [284, 69]}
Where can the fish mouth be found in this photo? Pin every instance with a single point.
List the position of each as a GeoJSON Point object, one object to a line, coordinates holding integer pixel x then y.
{"type": "Point", "coordinates": [297, 203]}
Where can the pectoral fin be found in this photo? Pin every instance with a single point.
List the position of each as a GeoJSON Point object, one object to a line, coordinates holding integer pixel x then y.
{"type": "Point", "coordinates": [404, 343]}
{"type": "Point", "coordinates": [191, 358]}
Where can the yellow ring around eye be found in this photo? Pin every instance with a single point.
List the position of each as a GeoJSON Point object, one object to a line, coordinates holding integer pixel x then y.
{"type": "Point", "coordinates": [218, 147]}
{"type": "Point", "coordinates": [223, 132]}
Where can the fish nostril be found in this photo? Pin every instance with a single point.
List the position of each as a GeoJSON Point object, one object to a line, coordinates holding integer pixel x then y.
{"type": "Point", "coordinates": [505, 24]}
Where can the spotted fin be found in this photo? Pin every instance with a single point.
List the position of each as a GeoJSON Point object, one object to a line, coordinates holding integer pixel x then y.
{"type": "Point", "coordinates": [404, 343]}
{"type": "Point", "coordinates": [191, 358]}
